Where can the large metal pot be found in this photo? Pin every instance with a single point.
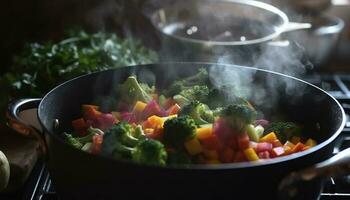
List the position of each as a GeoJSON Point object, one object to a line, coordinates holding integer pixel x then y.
{"type": "Point", "coordinates": [204, 30]}
{"type": "Point", "coordinates": [320, 41]}
{"type": "Point", "coordinates": [80, 175]}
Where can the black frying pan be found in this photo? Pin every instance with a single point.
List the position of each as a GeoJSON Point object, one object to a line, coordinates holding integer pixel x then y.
{"type": "Point", "coordinates": [79, 175]}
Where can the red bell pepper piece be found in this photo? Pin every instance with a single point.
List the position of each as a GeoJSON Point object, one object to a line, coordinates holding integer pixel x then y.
{"type": "Point", "coordinates": [222, 129]}
{"type": "Point", "coordinates": [105, 121]}
{"type": "Point", "coordinates": [157, 134]}
{"type": "Point", "coordinates": [128, 117]}
{"type": "Point", "coordinates": [232, 142]}
{"type": "Point", "coordinates": [173, 109]}
{"type": "Point", "coordinates": [239, 157]}
{"type": "Point", "coordinates": [96, 144]}
{"type": "Point", "coordinates": [79, 124]}
{"type": "Point", "coordinates": [243, 141]}
{"type": "Point", "coordinates": [226, 156]}
{"type": "Point", "coordinates": [211, 143]}
{"type": "Point", "coordinates": [153, 108]}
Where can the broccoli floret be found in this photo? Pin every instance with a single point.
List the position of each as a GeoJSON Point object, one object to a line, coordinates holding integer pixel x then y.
{"type": "Point", "coordinates": [201, 78]}
{"type": "Point", "coordinates": [177, 130]}
{"type": "Point", "coordinates": [197, 92]}
{"type": "Point", "coordinates": [178, 158]}
{"type": "Point", "coordinates": [119, 135]}
{"type": "Point", "coordinates": [138, 132]}
{"type": "Point", "coordinates": [239, 115]}
{"type": "Point", "coordinates": [119, 143]}
{"type": "Point", "coordinates": [73, 141]}
{"type": "Point", "coordinates": [283, 130]}
{"type": "Point", "coordinates": [199, 112]}
{"type": "Point", "coordinates": [150, 152]}
{"type": "Point", "coordinates": [131, 91]}
{"type": "Point", "coordinates": [223, 96]}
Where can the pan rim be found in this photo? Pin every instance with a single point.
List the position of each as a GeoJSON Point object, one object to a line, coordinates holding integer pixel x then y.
{"type": "Point", "coordinates": [223, 166]}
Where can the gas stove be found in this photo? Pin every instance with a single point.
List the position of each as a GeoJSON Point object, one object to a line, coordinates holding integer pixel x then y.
{"type": "Point", "coordinates": [40, 187]}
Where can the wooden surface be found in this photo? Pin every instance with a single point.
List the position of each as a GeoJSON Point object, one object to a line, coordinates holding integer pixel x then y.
{"type": "Point", "coordinates": [22, 154]}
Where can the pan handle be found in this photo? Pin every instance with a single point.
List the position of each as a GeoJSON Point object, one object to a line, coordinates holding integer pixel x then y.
{"type": "Point", "coordinates": [336, 166]}
{"type": "Point", "coordinates": [294, 26]}
{"type": "Point", "coordinates": [26, 128]}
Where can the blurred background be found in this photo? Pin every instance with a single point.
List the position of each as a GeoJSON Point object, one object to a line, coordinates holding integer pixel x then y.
{"type": "Point", "coordinates": [42, 20]}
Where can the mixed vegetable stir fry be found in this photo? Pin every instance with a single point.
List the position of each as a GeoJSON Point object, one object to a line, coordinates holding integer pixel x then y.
{"type": "Point", "coordinates": [191, 122]}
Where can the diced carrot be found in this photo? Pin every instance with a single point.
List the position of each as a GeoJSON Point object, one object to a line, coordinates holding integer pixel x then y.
{"type": "Point", "coordinates": [269, 138]}
{"type": "Point", "coordinates": [305, 148]}
{"type": "Point", "coordinates": [173, 109]}
{"type": "Point", "coordinates": [295, 139]}
{"type": "Point", "coordinates": [251, 154]}
{"type": "Point", "coordinates": [90, 111]}
{"type": "Point", "coordinates": [298, 147]}
{"type": "Point", "coordinates": [287, 150]}
{"type": "Point", "coordinates": [277, 143]}
{"type": "Point", "coordinates": [226, 156]}
{"type": "Point", "coordinates": [277, 151]}
{"type": "Point", "coordinates": [203, 133]}
{"type": "Point", "coordinates": [211, 154]}
{"type": "Point", "coordinates": [96, 144]}
{"type": "Point", "coordinates": [155, 121]}
{"type": "Point", "coordinates": [211, 143]}
{"type": "Point", "coordinates": [310, 142]}
{"type": "Point", "coordinates": [193, 146]}
{"type": "Point", "coordinates": [79, 124]}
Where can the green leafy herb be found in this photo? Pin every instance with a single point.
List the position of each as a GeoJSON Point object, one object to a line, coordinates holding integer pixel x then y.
{"type": "Point", "coordinates": [40, 67]}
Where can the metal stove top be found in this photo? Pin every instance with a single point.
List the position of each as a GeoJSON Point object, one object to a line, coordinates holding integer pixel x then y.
{"type": "Point", "coordinates": [39, 186]}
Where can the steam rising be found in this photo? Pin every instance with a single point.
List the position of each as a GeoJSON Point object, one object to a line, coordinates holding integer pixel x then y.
{"type": "Point", "coordinates": [280, 55]}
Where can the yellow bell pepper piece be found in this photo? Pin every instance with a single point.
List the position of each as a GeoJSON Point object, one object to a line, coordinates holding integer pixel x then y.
{"type": "Point", "coordinates": [204, 132]}
{"type": "Point", "coordinates": [156, 121]}
{"type": "Point", "coordinates": [139, 106]}
{"type": "Point", "coordinates": [193, 146]}
{"type": "Point", "coordinates": [310, 142]}
{"type": "Point", "coordinates": [251, 154]}
{"type": "Point", "coordinates": [270, 138]}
